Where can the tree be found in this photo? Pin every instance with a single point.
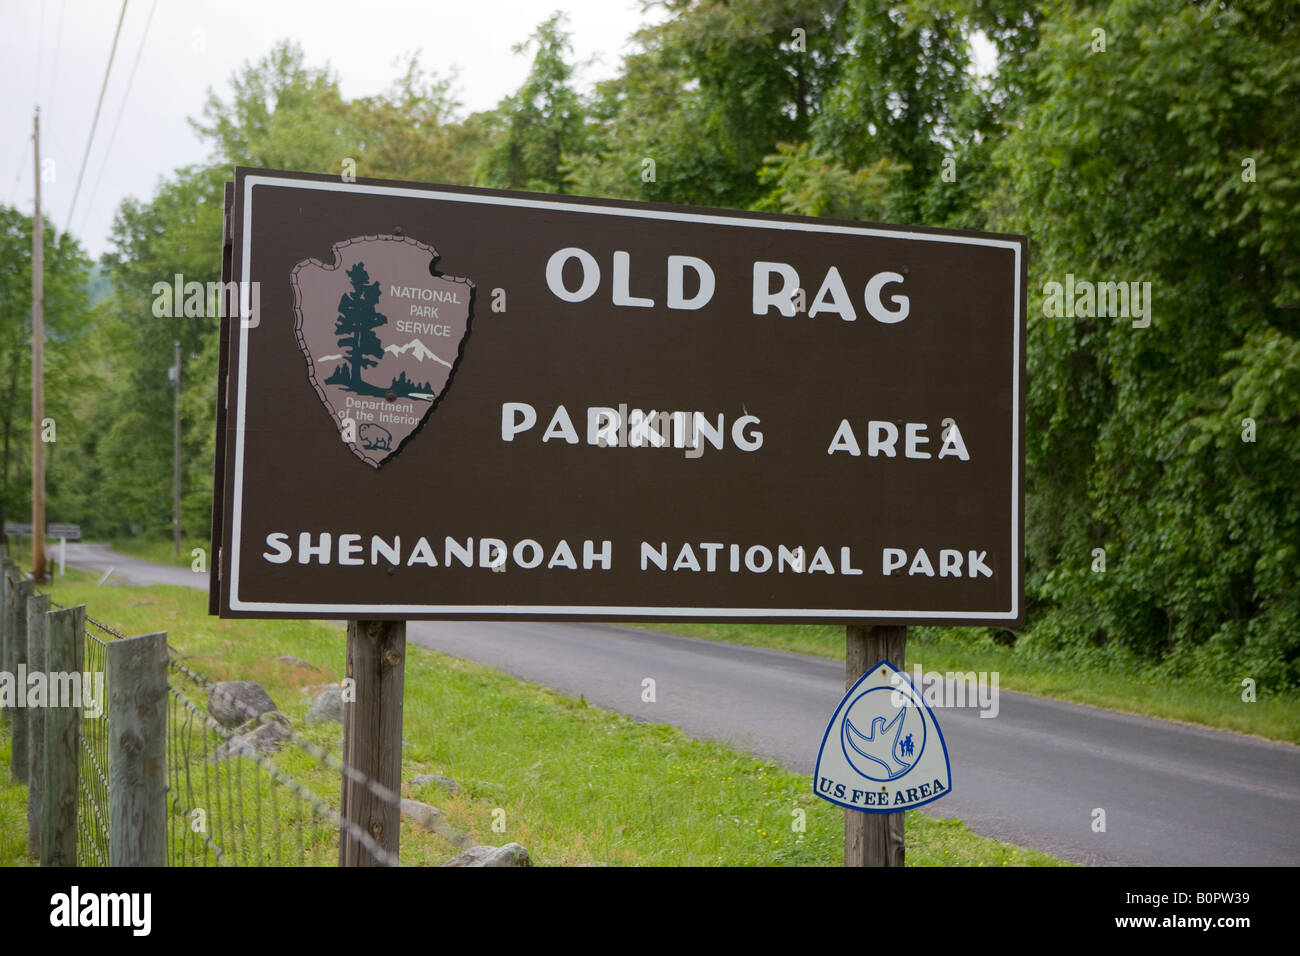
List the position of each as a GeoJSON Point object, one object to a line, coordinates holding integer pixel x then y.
{"type": "Point", "coordinates": [67, 378]}
{"type": "Point", "coordinates": [356, 323]}
{"type": "Point", "coordinates": [706, 96]}
{"type": "Point", "coordinates": [1129, 165]}
{"type": "Point", "coordinates": [903, 74]}
{"type": "Point", "coordinates": [541, 123]}
{"type": "Point", "coordinates": [279, 116]}
{"type": "Point", "coordinates": [410, 131]}
{"type": "Point", "coordinates": [128, 450]}
{"type": "Point", "coordinates": [805, 184]}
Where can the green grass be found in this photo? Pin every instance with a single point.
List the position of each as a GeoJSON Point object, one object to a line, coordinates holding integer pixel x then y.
{"type": "Point", "coordinates": [578, 785]}
{"type": "Point", "coordinates": [161, 552]}
{"type": "Point", "coordinates": [13, 808]}
{"type": "Point", "coordinates": [948, 649]}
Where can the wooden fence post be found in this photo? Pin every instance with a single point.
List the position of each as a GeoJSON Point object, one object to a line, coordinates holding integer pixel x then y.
{"type": "Point", "coordinates": [65, 649]}
{"type": "Point", "coordinates": [372, 736]}
{"type": "Point", "coordinates": [137, 751]}
{"type": "Point", "coordinates": [37, 606]}
{"type": "Point", "coordinates": [18, 662]}
{"type": "Point", "coordinates": [872, 839]}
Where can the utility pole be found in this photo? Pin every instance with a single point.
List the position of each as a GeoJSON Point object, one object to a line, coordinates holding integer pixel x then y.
{"type": "Point", "coordinates": [176, 447]}
{"type": "Point", "coordinates": [38, 367]}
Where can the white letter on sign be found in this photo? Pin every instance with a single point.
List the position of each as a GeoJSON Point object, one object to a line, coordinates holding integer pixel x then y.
{"type": "Point", "coordinates": [844, 440]}
{"type": "Point", "coordinates": [561, 426]}
{"type": "Point", "coordinates": [707, 282]}
{"type": "Point", "coordinates": [751, 442]}
{"type": "Point", "coordinates": [764, 298]}
{"type": "Point", "coordinates": [283, 552]}
{"type": "Point", "coordinates": [555, 274]}
{"type": "Point", "coordinates": [623, 281]}
{"type": "Point", "coordinates": [516, 417]}
{"type": "Point", "coordinates": [838, 302]}
{"type": "Point", "coordinates": [877, 308]}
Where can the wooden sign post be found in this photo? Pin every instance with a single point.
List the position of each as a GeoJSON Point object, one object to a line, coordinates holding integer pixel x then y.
{"type": "Point", "coordinates": [872, 839]}
{"type": "Point", "coordinates": [372, 736]}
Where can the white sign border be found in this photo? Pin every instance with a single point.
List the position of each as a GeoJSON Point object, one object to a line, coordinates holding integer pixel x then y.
{"type": "Point", "coordinates": [433, 194]}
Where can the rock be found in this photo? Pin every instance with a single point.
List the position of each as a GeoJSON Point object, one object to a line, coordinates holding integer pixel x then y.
{"type": "Point", "coordinates": [424, 779]}
{"type": "Point", "coordinates": [512, 854]}
{"type": "Point", "coordinates": [292, 661]}
{"type": "Point", "coordinates": [453, 835]}
{"type": "Point", "coordinates": [256, 739]}
{"type": "Point", "coordinates": [421, 813]}
{"type": "Point", "coordinates": [235, 702]}
{"type": "Point", "coordinates": [327, 706]}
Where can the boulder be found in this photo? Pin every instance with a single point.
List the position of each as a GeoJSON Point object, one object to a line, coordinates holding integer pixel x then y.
{"type": "Point", "coordinates": [424, 779]}
{"type": "Point", "coordinates": [421, 813]}
{"type": "Point", "coordinates": [512, 854]}
{"type": "Point", "coordinates": [235, 702]}
{"type": "Point", "coordinates": [255, 738]}
{"type": "Point", "coordinates": [292, 661]}
{"type": "Point", "coordinates": [328, 706]}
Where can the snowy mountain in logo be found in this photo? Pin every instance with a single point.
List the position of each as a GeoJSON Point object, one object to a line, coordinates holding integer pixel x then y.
{"type": "Point", "coordinates": [417, 350]}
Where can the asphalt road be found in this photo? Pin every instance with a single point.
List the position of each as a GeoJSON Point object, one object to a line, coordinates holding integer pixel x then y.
{"type": "Point", "coordinates": [1173, 794]}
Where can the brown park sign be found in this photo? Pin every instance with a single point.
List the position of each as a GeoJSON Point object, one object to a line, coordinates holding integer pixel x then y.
{"type": "Point", "coordinates": [457, 403]}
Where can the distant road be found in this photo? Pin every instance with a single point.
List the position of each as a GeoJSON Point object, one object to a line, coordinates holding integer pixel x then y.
{"type": "Point", "coordinates": [1174, 795]}
{"type": "Point", "coordinates": [98, 558]}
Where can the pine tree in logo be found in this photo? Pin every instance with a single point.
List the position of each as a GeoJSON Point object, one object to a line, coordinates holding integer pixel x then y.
{"type": "Point", "coordinates": [355, 327]}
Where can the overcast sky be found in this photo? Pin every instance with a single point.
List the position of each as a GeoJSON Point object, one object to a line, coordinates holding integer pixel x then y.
{"type": "Point", "coordinates": [54, 52]}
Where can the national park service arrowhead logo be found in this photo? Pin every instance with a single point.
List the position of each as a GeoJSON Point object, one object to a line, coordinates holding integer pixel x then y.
{"type": "Point", "coordinates": [382, 332]}
{"type": "Point", "coordinates": [883, 750]}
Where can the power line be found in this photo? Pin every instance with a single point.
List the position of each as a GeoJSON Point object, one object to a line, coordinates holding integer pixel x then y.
{"type": "Point", "coordinates": [108, 150]}
{"type": "Point", "coordinates": [40, 47]}
{"type": "Point", "coordinates": [95, 122]}
{"type": "Point", "coordinates": [54, 81]}
{"type": "Point", "coordinates": [13, 190]}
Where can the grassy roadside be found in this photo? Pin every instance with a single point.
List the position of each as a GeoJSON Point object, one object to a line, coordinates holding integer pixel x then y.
{"type": "Point", "coordinates": [946, 649]}
{"type": "Point", "coordinates": [13, 808]}
{"type": "Point", "coordinates": [162, 552]}
{"type": "Point", "coordinates": [577, 784]}
{"type": "Point", "coordinates": [949, 649]}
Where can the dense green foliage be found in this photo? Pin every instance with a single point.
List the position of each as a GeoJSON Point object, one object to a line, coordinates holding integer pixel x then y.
{"type": "Point", "coordinates": [1128, 165]}
{"type": "Point", "coordinates": [71, 375]}
{"type": "Point", "coordinates": [1136, 141]}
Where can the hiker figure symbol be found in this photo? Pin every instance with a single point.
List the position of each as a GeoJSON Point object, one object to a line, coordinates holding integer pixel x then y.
{"type": "Point", "coordinates": [874, 740]}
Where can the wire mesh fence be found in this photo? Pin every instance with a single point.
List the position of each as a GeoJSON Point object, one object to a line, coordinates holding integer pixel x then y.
{"type": "Point", "coordinates": [232, 804]}
{"type": "Point", "coordinates": [229, 799]}
{"type": "Point", "coordinates": [92, 772]}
